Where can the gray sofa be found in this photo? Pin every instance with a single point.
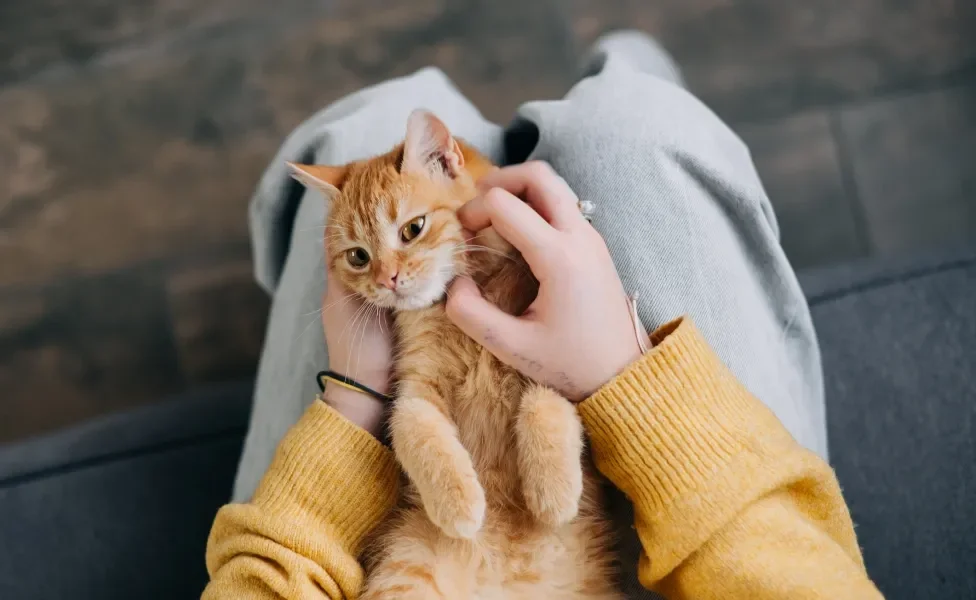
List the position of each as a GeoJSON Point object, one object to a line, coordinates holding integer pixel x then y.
{"type": "Point", "coordinates": [121, 507]}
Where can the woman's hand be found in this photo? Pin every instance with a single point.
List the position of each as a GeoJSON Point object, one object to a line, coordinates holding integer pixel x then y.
{"type": "Point", "coordinates": [360, 342]}
{"type": "Point", "coordinates": [578, 332]}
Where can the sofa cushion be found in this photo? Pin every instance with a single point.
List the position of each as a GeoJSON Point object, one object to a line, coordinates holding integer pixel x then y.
{"type": "Point", "coordinates": [899, 353]}
{"type": "Point", "coordinates": [120, 507]}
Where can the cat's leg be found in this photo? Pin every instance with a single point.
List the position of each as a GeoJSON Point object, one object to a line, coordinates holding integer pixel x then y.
{"type": "Point", "coordinates": [549, 447]}
{"type": "Point", "coordinates": [425, 442]}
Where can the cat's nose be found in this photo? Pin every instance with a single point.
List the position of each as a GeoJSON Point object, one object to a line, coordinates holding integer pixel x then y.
{"type": "Point", "coordinates": [389, 280]}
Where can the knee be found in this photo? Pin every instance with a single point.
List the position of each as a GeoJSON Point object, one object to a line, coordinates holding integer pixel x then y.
{"type": "Point", "coordinates": [625, 110]}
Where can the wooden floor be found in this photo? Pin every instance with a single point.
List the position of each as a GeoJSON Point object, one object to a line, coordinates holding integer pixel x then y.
{"type": "Point", "coordinates": [132, 133]}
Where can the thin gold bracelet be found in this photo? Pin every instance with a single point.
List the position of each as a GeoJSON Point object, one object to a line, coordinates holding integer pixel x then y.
{"type": "Point", "coordinates": [349, 384]}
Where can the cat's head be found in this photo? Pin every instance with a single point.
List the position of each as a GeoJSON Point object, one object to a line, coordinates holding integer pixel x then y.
{"type": "Point", "coordinates": [392, 235]}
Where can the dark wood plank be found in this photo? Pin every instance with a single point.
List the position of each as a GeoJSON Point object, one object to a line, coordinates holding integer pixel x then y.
{"type": "Point", "coordinates": [157, 157]}
{"type": "Point", "coordinates": [912, 158]}
{"type": "Point", "coordinates": [498, 53]}
{"type": "Point", "coordinates": [754, 59]}
{"type": "Point", "coordinates": [76, 351]}
{"type": "Point", "coordinates": [798, 162]}
{"type": "Point", "coordinates": [218, 315]}
{"type": "Point", "coordinates": [48, 37]}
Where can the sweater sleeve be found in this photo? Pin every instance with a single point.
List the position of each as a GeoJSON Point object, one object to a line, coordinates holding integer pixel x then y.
{"type": "Point", "coordinates": [329, 485]}
{"type": "Point", "coordinates": [726, 503]}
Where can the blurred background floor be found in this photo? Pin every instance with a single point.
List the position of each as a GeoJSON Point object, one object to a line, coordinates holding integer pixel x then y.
{"type": "Point", "coordinates": [132, 133]}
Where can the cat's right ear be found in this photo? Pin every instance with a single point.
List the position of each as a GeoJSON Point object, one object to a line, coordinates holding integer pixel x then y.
{"type": "Point", "coordinates": [324, 178]}
{"type": "Point", "coordinates": [429, 147]}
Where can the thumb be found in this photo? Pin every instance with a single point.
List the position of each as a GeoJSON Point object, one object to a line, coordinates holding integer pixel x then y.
{"type": "Point", "coordinates": [499, 332]}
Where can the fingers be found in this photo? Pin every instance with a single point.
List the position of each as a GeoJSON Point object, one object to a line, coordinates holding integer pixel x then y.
{"type": "Point", "coordinates": [542, 188]}
{"type": "Point", "coordinates": [513, 219]}
{"type": "Point", "coordinates": [487, 324]}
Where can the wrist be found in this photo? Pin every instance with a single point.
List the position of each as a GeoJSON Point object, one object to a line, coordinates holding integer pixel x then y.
{"type": "Point", "coordinates": [358, 408]}
{"type": "Point", "coordinates": [377, 380]}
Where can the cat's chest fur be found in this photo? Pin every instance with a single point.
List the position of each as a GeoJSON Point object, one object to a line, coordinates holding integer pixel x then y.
{"type": "Point", "coordinates": [480, 393]}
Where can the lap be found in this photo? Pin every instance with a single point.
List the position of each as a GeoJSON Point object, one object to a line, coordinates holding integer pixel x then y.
{"type": "Point", "coordinates": [678, 201]}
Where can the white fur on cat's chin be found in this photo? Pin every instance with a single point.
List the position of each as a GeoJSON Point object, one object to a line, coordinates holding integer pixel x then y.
{"type": "Point", "coordinates": [431, 289]}
{"type": "Point", "coordinates": [428, 293]}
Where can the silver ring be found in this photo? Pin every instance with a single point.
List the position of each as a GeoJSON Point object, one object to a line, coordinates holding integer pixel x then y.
{"type": "Point", "coordinates": [587, 209]}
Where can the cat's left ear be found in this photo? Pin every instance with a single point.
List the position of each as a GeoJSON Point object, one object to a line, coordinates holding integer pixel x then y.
{"type": "Point", "coordinates": [429, 147]}
{"type": "Point", "coordinates": [326, 179]}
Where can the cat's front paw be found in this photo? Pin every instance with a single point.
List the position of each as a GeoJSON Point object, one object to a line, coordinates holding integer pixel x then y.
{"type": "Point", "coordinates": [426, 444]}
{"type": "Point", "coordinates": [555, 502]}
{"type": "Point", "coordinates": [458, 507]}
{"type": "Point", "coordinates": [549, 442]}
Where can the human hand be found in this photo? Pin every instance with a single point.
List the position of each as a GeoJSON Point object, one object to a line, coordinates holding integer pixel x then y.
{"type": "Point", "coordinates": [360, 342]}
{"type": "Point", "coordinates": [578, 332]}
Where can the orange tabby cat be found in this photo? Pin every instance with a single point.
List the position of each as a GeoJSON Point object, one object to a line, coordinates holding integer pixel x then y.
{"type": "Point", "coordinates": [500, 503]}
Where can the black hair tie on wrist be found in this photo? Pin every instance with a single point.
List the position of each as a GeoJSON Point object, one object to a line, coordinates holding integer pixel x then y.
{"type": "Point", "coordinates": [349, 384]}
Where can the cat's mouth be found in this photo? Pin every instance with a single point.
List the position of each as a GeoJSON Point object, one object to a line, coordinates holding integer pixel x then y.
{"type": "Point", "coordinates": [421, 294]}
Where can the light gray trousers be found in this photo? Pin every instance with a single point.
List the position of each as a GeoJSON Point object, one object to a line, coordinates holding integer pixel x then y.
{"type": "Point", "coordinates": [677, 200]}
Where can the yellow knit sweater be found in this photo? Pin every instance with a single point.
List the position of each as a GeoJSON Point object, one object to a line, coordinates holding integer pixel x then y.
{"type": "Point", "coordinates": [727, 505]}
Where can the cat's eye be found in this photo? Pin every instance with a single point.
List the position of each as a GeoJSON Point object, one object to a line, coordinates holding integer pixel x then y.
{"type": "Point", "coordinates": [412, 229]}
{"type": "Point", "coordinates": [357, 257]}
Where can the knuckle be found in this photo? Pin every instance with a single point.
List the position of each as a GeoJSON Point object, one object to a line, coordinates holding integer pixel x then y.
{"type": "Point", "coordinates": [495, 199]}
{"type": "Point", "coordinates": [539, 169]}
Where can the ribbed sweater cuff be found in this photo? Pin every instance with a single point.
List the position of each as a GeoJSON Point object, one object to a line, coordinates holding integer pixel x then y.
{"type": "Point", "coordinates": [330, 471]}
{"type": "Point", "coordinates": [675, 431]}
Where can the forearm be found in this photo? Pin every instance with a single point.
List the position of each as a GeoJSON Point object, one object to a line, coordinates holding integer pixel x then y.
{"type": "Point", "coordinates": [727, 504]}
{"type": "Point", "coordinates": [330, 484]}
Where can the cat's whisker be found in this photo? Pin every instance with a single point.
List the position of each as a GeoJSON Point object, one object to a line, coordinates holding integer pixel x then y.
{"type": "Point", "coordinates": [470, 248]}
{"type": "Point", "coordinates": [520, 265]}
{"type": "Point", "coordinates": [344, 299]}
{"type": "Point", "coordinates": [359, 346]}
{"type": "Point", "coordinates": [305, 329]}
{"type": "Point", "coordinates": [362, 338]}
{"type": "Point", "coordinates": [382, 318]}
{"type": "Point", "coordinates": [356, 319]}
{"type": "Point", "coordinates": [352, 320]}
{"type": "Point", "coordinates": [374, 312]}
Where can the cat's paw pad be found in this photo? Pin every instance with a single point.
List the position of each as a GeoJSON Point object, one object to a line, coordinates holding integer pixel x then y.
{"type": "Point", "coordinates": [458, 509]}
{"type": "Point", "coordinates": [555, 501]}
